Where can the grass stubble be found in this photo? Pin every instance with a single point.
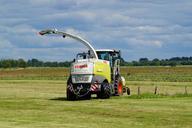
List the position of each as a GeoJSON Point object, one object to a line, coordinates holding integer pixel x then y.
{"type": "Point", "coordinates": [41, 103]}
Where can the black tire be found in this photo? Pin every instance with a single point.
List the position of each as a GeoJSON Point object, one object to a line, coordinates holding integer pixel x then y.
{"type": "Point", "coordinates": [128, 91]}
{"type": "Point", "coordinates": [105, 92]}
{"type": "Point", "coordinates": [118, 86]}
{"type": "Point", "coordinates": [70, 94]}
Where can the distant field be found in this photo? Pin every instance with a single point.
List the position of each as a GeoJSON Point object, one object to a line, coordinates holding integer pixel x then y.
{"type": "Point", "coordinates": [35, 98]}
{"type": "Point", "coordinates": [169, 80]}
{"type": "Point", "coordinates": [35, 73]}
{"type": "Point", "coordinates": [165, 74]}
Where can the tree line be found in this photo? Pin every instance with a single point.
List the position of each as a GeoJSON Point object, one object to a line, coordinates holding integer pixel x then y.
{"type": "Point", "coordinates": [160, 62]}
{"type": "Point", "coordinates": [21, 63]}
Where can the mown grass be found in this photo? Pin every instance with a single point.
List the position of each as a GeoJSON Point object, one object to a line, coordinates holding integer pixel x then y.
{"type": "Point", "coordinates": [151, 95]}
{"type": "Point", "coordinates": [35, 98]}
{"type": "Point", "coordinates": [42, 104]}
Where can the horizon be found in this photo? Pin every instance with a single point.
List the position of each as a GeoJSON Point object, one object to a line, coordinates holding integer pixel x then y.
{"type": "Point", "coordinates": [74, 58]}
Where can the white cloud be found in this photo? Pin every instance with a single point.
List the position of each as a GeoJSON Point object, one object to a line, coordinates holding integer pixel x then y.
{"type": "Point", "coordinates": [5, 44]}
{"type": "Point", "coordinates": [122, 24]}
{"type": "Point", "coordinates": [137, 42]}
{"type": "Point", "coordinates": [149, 29]}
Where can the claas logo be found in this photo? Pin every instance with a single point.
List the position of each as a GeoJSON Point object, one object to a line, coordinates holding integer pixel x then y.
{"type": "Point", "coordinates": [81, 66]}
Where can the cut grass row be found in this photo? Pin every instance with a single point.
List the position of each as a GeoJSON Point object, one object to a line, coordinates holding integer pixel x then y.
{"type": "Point", "coordinates": [42, 104]}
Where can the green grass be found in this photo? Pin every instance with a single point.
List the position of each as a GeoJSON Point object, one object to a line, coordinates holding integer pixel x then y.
{"type": "Point", "coordinates": [35, 98]}
{"type": "Point", "coordinates": [42, 104]}
{"type": "Point", "coordinates": [166, 88]}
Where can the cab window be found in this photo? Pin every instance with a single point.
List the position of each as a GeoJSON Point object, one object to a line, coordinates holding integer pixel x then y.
{"type": "Point", "coordinates": [103, 55]}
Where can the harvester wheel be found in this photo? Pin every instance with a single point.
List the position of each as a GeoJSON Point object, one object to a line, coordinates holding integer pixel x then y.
{"type": "Point", "coordinates": [105, 92]}
{"type": "Point", "coordinates": [118, 86]}
{"type": "Point", "coordinates": [128, 91]}
{"type": "Point", "coordinates": [70, 93]}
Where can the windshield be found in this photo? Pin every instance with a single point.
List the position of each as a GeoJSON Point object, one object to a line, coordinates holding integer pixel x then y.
{"type": "Point", "coordinates": [103, 55]}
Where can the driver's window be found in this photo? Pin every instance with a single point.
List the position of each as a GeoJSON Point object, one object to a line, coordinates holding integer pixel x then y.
{"type": "Point", "coordinates": [103, 55]}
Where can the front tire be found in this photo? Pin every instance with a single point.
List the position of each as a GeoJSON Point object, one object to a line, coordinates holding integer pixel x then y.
{"type": "Point", "coordinates": [105, 92]}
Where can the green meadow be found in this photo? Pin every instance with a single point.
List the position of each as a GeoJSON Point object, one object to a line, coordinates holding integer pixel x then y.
{"type": "Point", "coordinates": [35, 98]}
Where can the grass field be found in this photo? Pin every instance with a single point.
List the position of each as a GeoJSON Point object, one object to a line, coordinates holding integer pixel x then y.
{"type": "Point", "coordinates": [35, 98]}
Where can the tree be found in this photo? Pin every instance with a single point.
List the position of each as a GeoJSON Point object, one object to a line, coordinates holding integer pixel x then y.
{"type": "Point", "coordinates": [172, 64]}
{"type": "Point", "coordinates": [22, 63]}
{"type": "Point", "coordinates": [144, 61]}
{"type": "Point", "coordinates": [155, 62]}
{"type": "Point", "coordinates": [6, 63]}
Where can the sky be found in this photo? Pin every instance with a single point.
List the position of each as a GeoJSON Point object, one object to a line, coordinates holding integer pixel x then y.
{"type": "Point", "coordinates": [139, 28]}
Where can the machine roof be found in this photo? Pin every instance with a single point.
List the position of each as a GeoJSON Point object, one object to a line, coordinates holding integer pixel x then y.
{"type": "Point", "coordinates": [106, 50]}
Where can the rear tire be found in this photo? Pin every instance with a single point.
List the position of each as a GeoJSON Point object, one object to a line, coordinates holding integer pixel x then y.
{"type": "Point", "coordinates": [118, 86]}
{"type": "Point", "coordinates": [70, 94]}
{"type": "Point", "coordinates": [105, 92]}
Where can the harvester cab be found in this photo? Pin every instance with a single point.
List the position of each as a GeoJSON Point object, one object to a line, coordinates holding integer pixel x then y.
{"type": "Point", "coordinates": [114, 58]}
{"type": "Point", "coordinates": [93, 72]}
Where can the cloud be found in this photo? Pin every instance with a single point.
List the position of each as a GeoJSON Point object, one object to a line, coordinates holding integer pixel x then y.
{"type": "Point", "coordinates": [5, 44]}
{"type": "Point", "coordinates": [136, 27]}
{"type": "Point", "coordinates": [143, 43]}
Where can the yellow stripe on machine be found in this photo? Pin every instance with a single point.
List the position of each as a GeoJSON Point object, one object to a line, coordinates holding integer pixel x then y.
{"type": "Point", "coordinates": [102, 68]}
